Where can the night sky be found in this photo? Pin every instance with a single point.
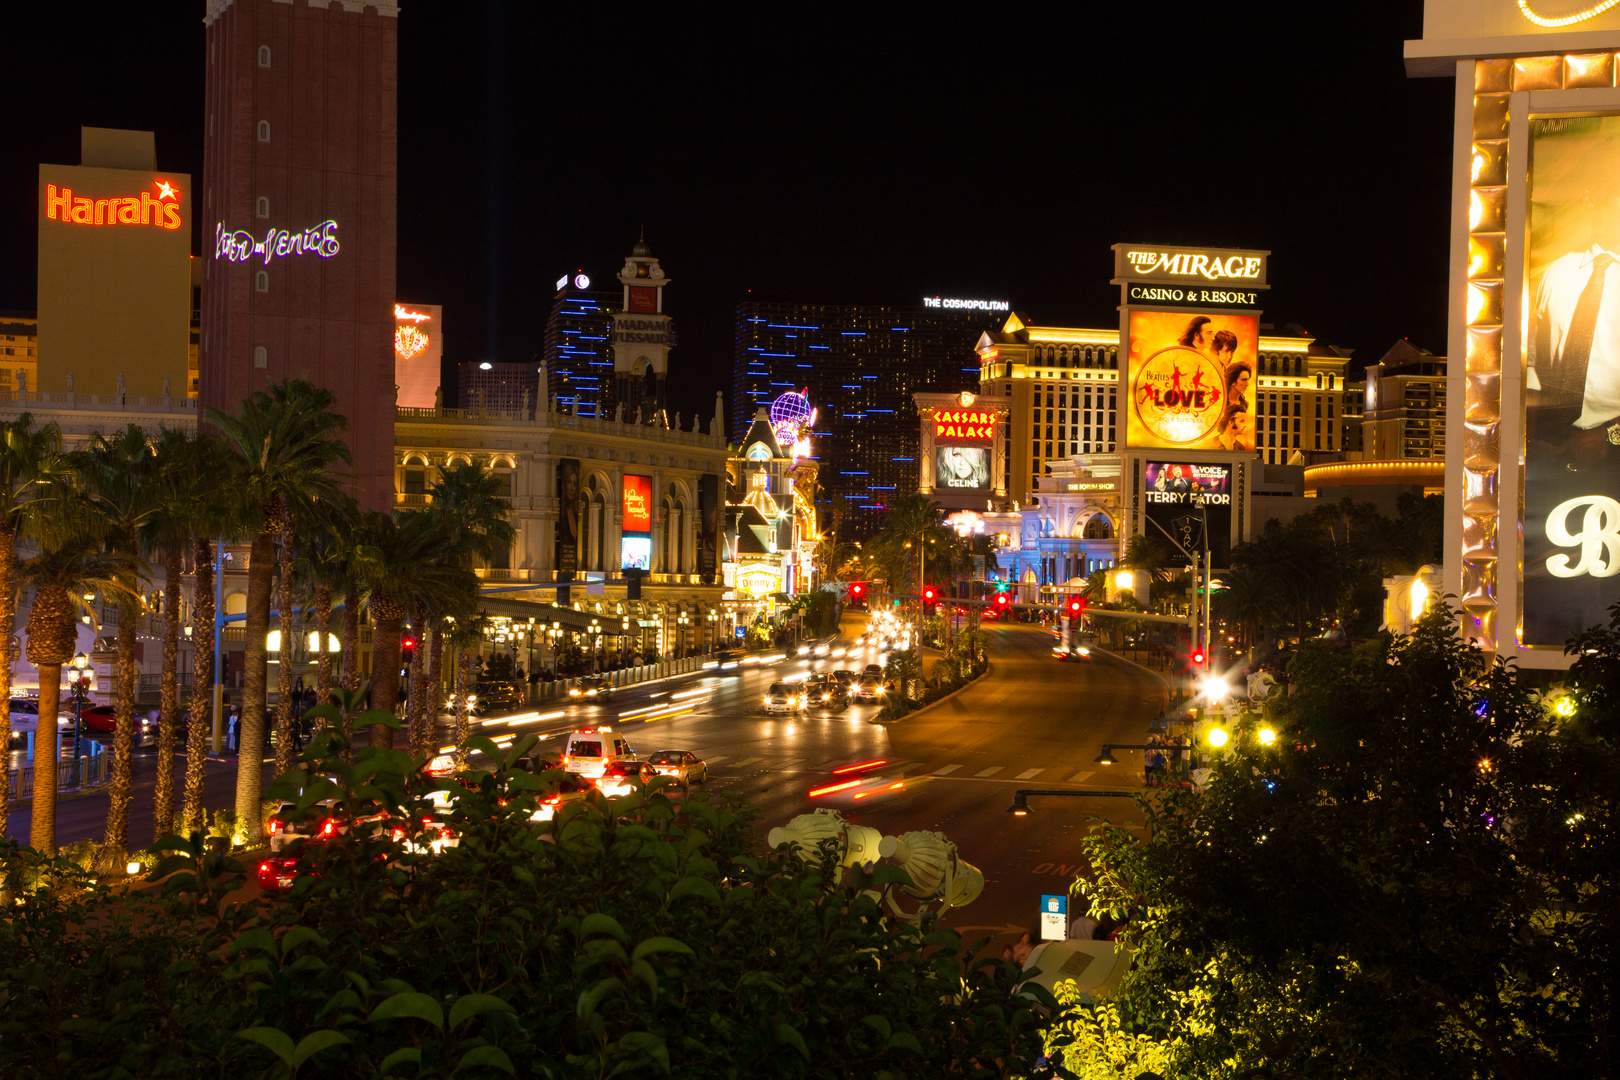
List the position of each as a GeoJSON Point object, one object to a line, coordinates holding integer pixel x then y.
{"type": "Point", "coordinates": [985, 151]}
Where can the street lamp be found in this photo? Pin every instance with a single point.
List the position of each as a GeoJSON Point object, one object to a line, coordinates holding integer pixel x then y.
{"type": "Point", "coordinates": [684, 622]}
{"type": "Point", "coordinates": [81, 680]}
{"type": "Point", "coordinates": [714, 629]}
{"type": "Point", "coordinates": [1020, 805]}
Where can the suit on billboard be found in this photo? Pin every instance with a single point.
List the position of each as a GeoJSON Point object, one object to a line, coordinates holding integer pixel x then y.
{"type": "Point", "coordinates": [1574, 354]}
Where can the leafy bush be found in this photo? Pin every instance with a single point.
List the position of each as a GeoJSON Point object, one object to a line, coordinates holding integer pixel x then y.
{"type": "Point", "coordinates": [645, 935]}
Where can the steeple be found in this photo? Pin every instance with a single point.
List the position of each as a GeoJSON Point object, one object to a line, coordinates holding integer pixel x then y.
{"type": "Point", "coordinates": [641, 333]}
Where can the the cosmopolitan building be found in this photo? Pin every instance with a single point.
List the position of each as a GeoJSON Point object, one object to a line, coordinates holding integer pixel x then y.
{"type": "Point", "coordinates": [578, 347]}
{"type": "Point", "coordinates": [859, 364]}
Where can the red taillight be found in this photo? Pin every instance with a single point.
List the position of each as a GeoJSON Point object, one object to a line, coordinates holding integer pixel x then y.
{"type": "Point", "coordinates": [328, 827]}
{"type": "Point", "coordinates": [275, 825]}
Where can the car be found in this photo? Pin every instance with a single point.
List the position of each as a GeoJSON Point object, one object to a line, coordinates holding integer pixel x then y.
{"type": "Point", "coordinates": [103, 720]}
{"type": "Point", "coordinates": [621, 777]}
{"type": "Point", "coordinates": [685, 767]}
{"type": "Point", "coordinates": [872, 671]}
{"type": "Point", "coordinates": [590, 750]}
{"type": "Point", "coordinates": [845, 676]}
{"type": "Point", "coordinates": [729, 659]}
{"type": "Point", "coordinates": [592, 689]}
{"type": "Point", "coordinates": [496, 697]}
{"type": "Point", "coordinates": [868, 689]}
{"type": "Point", "coordinates": [25, 719]}
{"type": "Point", "coordinates": [572, 788]}
{"type": "Point", "coordinates": [822, 691]}
{"type": "Point", "coordinates": [785, 698]}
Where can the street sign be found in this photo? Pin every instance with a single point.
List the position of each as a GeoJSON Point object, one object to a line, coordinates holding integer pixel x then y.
{"type": "Point", "coordinates": [1054, 918]}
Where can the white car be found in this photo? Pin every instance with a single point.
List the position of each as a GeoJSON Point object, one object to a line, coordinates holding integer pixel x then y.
{"type": "Point", "coordinates": [683, 766]}
{"type": "Point", "coordinates": [787, 698]}
{"type": "Point", "coordinates": [621, 777]}
{"type": "Point", "coordinates": [590, 750]}
{"type": "Point", "coordinates": [571, 789]}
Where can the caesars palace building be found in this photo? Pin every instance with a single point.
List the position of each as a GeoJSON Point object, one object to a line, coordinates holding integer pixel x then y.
{"type": "Point", "coordinates": [1065, 451]}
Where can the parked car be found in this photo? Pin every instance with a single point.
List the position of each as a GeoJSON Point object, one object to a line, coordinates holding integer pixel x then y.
{"type": "Point", "coordinates": [593, 689]}
{"type": "Point", "coordinates": [683, 766]}
{"type": "Point", "coordinates": [785, 698]}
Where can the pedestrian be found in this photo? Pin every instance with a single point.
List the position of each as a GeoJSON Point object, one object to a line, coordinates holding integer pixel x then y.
{"type": "Point", "coordinates": [232, 724]}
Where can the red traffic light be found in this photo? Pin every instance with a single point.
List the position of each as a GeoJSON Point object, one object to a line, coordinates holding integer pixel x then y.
{"type": "Point", "coordinates": [407, 646]}
{"type": "Point", "coordinates": [857, 588]}
{"type": "Point", "coordinates": [1002, 600]}
{"type": "Point", "coordinates": [1076, 605]}
{"type": "Point", "coordinates": [1198, 656]}
{"type": "Point", "coordinates": [928, 594]}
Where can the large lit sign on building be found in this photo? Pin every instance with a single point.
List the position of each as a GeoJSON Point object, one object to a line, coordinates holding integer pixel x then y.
{"type": "Point", "coordinates": [1154, 262]}
{"type": "Point", "coordinates": [758, 581]}
{"type": "Point", "coordinates": [410, 340]}
{"type": "Point", "coordinates": [240, 246]}
{"type": "Point", "coordinates": [965, 426]}
{"type": "Point", "coordinates": [1181, 496]}
{"type": "Point", "coordinates": [637, 492]}
{"type": "Point", "coordinates": [418, 348]}
{"type": "Point", "coordinates": [1190, 380]}
{"type": "Point", "coordinates": [963, 467]}
{"type": "Point", "coordinates": [791, 418]}
{"type": "Point", "coordinates": [160, 207]}
{"type": "Point", "coordinates": [1552, 22]}
{"type": "Point", "coordinates": [953, 304]}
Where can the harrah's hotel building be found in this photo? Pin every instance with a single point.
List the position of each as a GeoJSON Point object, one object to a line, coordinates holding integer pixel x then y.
{"type": "Point", "coordinates": [298, 211]}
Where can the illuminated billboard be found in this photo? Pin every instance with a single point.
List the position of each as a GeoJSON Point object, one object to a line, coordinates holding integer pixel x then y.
{"type": "Point", "coordinates": [1190, 380]}
{"type": "Point", "coordinates": [962, 468]}
{"type": "Point", "coordinates": [1572, 378]}
{"type": "Point", "coordinates": [635, 552]}
{"type": "Point", "coordinates": [418, 347]}
{"type": "Point", "coordinates": [637, 503]}
{"type": "Point", "coordinates": [965, 427]}
{"type": "Point", "coordinates": [1174, 491]}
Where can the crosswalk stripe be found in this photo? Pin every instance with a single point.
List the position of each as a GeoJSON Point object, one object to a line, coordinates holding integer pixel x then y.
{"type": "Point", "coordinates": [784, 766]}
{"type": "Point", "coordinates": [1081, 777]}
{"type": "Point", "coordinates": [712, 758]}
{"type": "Point", "coordinates": [991, 771]}
{"type": "Point", "coordinates": [745, 761]}
{"type": "Point", "coordinates": [1029, 774]}
{"type": "Point", "coordinates": [947, 770]}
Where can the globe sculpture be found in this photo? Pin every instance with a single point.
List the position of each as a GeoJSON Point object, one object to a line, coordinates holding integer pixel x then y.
{"type": "Point", "coordinates": [790, 413]}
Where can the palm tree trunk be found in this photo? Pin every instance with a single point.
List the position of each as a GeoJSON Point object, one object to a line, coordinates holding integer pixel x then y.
{"type": "Point", "coordinates": [435, 693]}
{"type": "Point", "coordinates": [387, 619]}
{"type": "Point", "coordinates": [202, 685]}
{"type": "Point", "coordinates": [351, 637]}
{"type": "Point", "coordinates": [464, 658]}
{"type": "Point", "coordinates": [421, 723]}
{"type": "Point", "coordinates": [169, 696]}
{"type": "Point", "coordinates": [119, 791]}
{"type": "Point", "coordinates": [323, 654]}
{"type": "Point", "coordinates": [250, 752]}
{"type": "Point", "coordinates": [8, 618]}
{"type": "Point", "coordinates": [289, 643]}
{"type": "Point", "coordinates": [48, 751]}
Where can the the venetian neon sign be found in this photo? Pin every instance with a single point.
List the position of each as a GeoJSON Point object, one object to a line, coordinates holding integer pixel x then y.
{"type": "Point", "coordinates": [161, 209]}
{"type": "Point", "coordinates": [277, 243]}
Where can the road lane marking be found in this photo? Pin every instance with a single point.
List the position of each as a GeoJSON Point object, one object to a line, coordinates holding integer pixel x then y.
{"type": "Point", "coordinates": [712, 758]}
{"type": "Point", "coordinates": [745, 761]}
{"type": "Point", "coordinates": [991, 771]}
{"type": "Point", "coordinates": [1081, 777]}
{"type": "Point", "coordinates": [1029, 774]}
{"type": "Point", "coordinates": [947, 770]}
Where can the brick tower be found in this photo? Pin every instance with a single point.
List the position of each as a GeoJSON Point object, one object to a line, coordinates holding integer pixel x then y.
{"type": "Point", "coordinates": [298, 210]}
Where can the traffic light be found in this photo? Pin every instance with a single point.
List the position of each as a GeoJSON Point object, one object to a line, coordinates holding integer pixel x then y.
{"type": "Point", "coordinates": [1198, 658]}
{"type": "Point", "coordinates": [407, 649]}
{"type": "Point", "coordinates": [1003, 601]}
{"type": "Point", "coordinates": [1077, 607]}
{"type": "Point", "coordinates": [857, 592]}
{"type": "Point", "coordinates": [928, 597]}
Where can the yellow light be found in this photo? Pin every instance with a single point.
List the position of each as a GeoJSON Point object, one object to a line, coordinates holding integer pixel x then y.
{"type": "Point", "coordinates": [1124, 579]}
{"type": "Point", "coordinates": [1476, 302]}
{"type": "Point", "coordinates": [1266, 736]}
{"type": "Point", "coordinates": [1552, 22]}
{"type": "Point", "coordinates": [132, 867]}
{"type": "Point", "coordinates": [1419, 597]}
{"type": "Point", "coordinates": [1217, 737]}
{"type": "Point", "coordinates": [272, 641]}
{"type": "Point", "coordinates": [1564, 706]}
{"type": "Point", "coordinates": [1476, 210]}
{"type": "Point", "coordinates": [1479, 166]}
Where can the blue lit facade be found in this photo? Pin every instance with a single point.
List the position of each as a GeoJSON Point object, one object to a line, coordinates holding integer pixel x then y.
{"type": "Point", "coordinates": [578, 351]}
{"type": "Point", "coordinates": [861, 363]}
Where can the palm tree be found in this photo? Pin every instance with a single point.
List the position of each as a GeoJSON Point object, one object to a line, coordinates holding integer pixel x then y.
{"type": "Point", "coordinates": [402, 558]}
{"type": "Point", "coordinates": [325, 564]}
{"type": "Point", "coordinates": [71, 562]}
{"type": "Point", "coordinates": [285, 439]}
{"type": "Point", "coordinates": [910, 534]}
{"type": "Point", "coordinates": [29, 459]}
{"type": "Point", "coordinates": [119, 476]}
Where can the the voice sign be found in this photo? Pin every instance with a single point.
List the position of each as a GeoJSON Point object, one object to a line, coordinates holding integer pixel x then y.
{"type": "Point", "coordinates": [1599, 537]}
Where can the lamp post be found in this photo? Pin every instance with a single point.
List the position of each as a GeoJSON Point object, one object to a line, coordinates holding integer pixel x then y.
{"type": "Point", "coordinates": [714, 629]}
{"type": "Point", "coordinates": [81, 680]}
{"type": "Point", "coordinates": [1020, 803]}
{"type": "Point", "coordinates": [684, 622]}
{"type": "Point", "coordinates": [596, 661]}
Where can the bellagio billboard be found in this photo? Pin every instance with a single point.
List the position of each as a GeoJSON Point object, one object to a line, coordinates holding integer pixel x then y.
{"type": "Point", "coordinates": [1533, 485]}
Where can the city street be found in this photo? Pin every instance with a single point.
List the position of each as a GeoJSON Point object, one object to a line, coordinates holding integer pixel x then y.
{"type": "Point", "coordinates": [1031, 722]}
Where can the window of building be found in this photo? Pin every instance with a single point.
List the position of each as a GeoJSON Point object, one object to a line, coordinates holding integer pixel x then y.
{"type": "Point", "coordinates": [261, 356]}
{"type": "Point", "coordinates": [415, 482]}
{"type": "Point", "coordinates": [263, 209]}
{"type": "Point", "coordinates": [264, 56]}
{"type": "Point", "coordinates": [264, 131]}
{"type": "Point", "coordinates": [261, 281]}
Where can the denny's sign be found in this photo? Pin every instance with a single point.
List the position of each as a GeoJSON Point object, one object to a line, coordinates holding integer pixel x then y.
{"type": "Point", "coordinates": [160, 207]}
{"type": "Point", "coordinates": [965, 426]}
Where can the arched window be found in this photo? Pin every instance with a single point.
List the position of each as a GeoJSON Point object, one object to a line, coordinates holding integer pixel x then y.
{"type": "Point", "coordinates": [263, 207]}
{"type": "Point", "coordinates": [1099, 528]}
{"type": "Point", "coordinates": [264, 56]}
{"type": "Point", "coordinates": [261, 281]}
{"type": "Point", "coordinates": [264, 131]}
{"type": "Point", "coordinates": [674, 532]}
{"type": "Point", "coordinates": [261, 356]}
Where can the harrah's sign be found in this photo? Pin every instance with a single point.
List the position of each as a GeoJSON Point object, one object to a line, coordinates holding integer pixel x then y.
{"type": "Point", "coordinates": [1153, 262]}
{"type": "Point", "coordinates": [966, 426]}
{"type": "Point", "coordinates": [161, 209]}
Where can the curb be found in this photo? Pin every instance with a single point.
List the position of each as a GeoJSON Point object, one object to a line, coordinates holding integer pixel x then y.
{"type": "Point", "coordinates": [918, 712]}
{"type": "Point", "coordinates": [1168, 691]}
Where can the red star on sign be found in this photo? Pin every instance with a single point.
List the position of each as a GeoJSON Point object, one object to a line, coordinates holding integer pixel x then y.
{"type": "Point", "coordinates": [166, 190]}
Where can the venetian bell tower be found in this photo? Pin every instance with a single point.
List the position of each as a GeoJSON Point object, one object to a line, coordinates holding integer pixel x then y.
{"type": "Point", "coordinates": [641, 337]}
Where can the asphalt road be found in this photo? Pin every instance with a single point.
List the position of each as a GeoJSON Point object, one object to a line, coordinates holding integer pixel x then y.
{"type": "Point", "coordinates": [1031, 722]}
